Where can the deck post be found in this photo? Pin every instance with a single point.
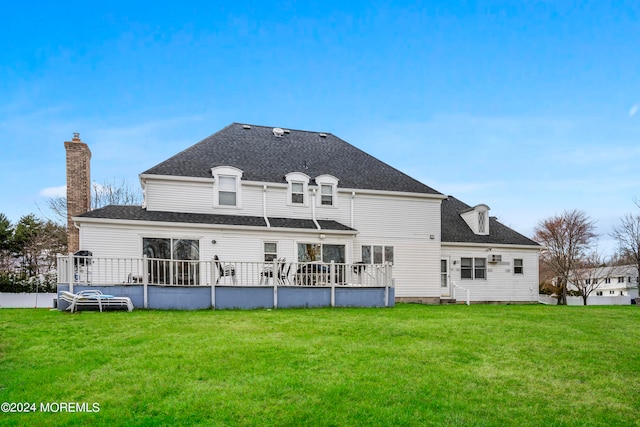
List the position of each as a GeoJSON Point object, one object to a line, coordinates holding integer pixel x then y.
{"type": "Point", "coordinates": [71, 271]}
{"type": "Point", "coordinates": [145, 281]}
{"type": "Point", "coordinates": [213, 284]}
{"type": "Point", "coordinates": [275, 295]}
{"type": "Point", "coordinates": [275, 277]}
{"type": "Point", "coordinates": [332, 282]}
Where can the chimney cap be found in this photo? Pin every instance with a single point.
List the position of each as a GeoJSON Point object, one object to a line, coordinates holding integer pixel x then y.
{"type": "Point", "coordinates": [76, 136]}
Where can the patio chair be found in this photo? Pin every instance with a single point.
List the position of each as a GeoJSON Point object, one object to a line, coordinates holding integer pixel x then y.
{"type": "Point", "coordinates": [94, 298]}
{"type": "Point", "coordinates": [283, 277]}
{"type": "Point", "coordinates": [226, 270]}
{"type": "Point", "coordinates": [267, 272]}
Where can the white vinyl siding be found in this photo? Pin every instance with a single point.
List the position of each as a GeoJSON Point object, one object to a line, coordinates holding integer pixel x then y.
{"type": "Point", "coordinates": [192, 197]}
{"type": "Point", "coordinates": [500, 284]}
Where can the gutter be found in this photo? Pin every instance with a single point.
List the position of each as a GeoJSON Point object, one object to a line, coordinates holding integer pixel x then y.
{"type": "Point", "coordinates": [204, 226]}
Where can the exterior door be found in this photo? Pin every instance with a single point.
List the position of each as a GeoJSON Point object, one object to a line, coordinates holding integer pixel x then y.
{"type": "Point", "coordinates": [445, 283]}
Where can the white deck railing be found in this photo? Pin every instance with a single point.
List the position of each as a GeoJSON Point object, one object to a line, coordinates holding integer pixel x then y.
{"type": "Point", "coordinates": [149, 271]}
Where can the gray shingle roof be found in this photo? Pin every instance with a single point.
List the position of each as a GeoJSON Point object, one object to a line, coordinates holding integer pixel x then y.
{"type": "Point", "coordinates": [456, 230]}
{"type": "Point", "coordinates": [266, 158]}
{"type": "Point", "coordinates": [137, 213]}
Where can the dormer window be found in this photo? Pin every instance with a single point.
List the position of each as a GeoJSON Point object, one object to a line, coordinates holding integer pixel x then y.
{"type": "Point", "coordinates": [227, 190]}
{"type": "Point", "coordinates": [477, 218]}
{"type": "Point", "coordinates": [328, 195]}
{"type": "Point", "coordinates": [297, 193]}
{"type": "Point", "coordinates": [482, 222]}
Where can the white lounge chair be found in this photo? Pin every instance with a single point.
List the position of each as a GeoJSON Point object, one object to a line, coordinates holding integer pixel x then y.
{"type": "Point", "coordinates": [94, 298]}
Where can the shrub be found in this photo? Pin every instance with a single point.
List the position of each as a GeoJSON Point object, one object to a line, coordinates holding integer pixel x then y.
{"type": "Point", "coordinates": [17, 283]}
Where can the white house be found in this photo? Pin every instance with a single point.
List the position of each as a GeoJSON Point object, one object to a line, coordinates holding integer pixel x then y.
{"type": "Point", "coordinates": [609, 281]}
{"type": "Point", "coordinates": [252, 193]}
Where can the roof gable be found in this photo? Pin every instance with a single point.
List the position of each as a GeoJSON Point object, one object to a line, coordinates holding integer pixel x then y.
{"type": "Point", "coordinates": [456, 230]}
{"type": "Point", "coordinates": [266, 156]}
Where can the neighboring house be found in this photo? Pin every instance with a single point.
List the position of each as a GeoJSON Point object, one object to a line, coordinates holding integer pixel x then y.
{"type": "Point", "coordinates": [254, 193]}
{"type": "Point", "coordinates": [610, 281]}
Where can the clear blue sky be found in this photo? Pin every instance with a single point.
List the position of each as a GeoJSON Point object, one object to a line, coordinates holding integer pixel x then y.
{"type": "Point", "coordinates": [528, 106]}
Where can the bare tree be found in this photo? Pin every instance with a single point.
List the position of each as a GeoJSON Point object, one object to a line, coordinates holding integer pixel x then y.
{"type": "Point", "coordinates": [114, 193]}
{"type": "Point", "coordinates": [590, 272]}
{"type": "Point", "coordinates": [107, 193]}
{"type": "Point", "coordinates": [627, 234]}
{"type": "Point", "coordinates": [566, 238]}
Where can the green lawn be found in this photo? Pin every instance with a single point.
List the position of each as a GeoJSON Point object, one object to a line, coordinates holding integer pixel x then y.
{"type": "Point", "coordinates": [409, 365]}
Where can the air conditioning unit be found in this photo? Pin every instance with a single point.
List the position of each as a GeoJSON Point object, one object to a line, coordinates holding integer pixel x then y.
{"type": "Point", "coordinates": [495, 258]}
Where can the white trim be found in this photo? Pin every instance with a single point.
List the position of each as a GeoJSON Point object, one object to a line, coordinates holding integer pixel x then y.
{"type": "Point", "coordinates": [447, 259]}
{"type": "Point", "coordinates": [146, 177]}
{"type": "Point", "coordinates": [275, 242]}
{"type": "Point", "coordinates": [491, 245]}
{"type": "Point", "coordinates": [105, 221]}
{"type": "Point", "coordinates": [297, 178]}
{"type": "Point", "coordinates": [327, 180]}
{"type": "Point", "coordinates": [474, 216]}
{"type": "Point", "coordinates": [283, 185]}
{"type": "Point", "coordinates": [226, 172]}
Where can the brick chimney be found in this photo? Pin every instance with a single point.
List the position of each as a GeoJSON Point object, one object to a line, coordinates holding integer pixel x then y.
{"type": "Point", "coordinates": [78, 186]}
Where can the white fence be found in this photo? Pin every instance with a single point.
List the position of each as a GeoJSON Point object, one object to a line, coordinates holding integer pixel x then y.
{"type": "Point", "coordinates": [591, 300]}
{"type": "Point", "coordinates": [24, 300]}
{"type": "Point", "coordinates": [111, 271]}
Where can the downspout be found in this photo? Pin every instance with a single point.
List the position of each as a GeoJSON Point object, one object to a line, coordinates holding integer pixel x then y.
{"type": "Point", "coordinates": [264, 206]}
{"type": "Point", "coordinates": [313, 209]}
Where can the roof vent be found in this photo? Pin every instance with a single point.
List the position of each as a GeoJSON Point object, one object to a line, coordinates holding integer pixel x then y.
{"type": "Point", "coordinates": [246, 126]}
{"type": "Point", "coordinates": [287, 131]}
{"type": "Point", "coordinates": [278, 132]}
{"type": "Point", "coordinates": [323, 135]}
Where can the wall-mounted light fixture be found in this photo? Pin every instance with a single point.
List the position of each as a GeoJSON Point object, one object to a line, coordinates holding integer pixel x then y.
{"type": "Point", "coordinates": [214, 242]}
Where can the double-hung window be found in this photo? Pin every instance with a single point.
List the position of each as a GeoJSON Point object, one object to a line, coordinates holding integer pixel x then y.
{"type": "Point", "coordinates": [227, 191]}
{"type": "Point", "coordinates": [327, 191]}
{"type": "Point", "coordinates": [298, 187]}
{"type": "Point", "coordinates": [297, 193]}
{"type": "Point", "coordinates": [473, 268]}
{"type": "Point", "coordinates": [270, 251]}
{"type": "Point", "coordinates": [326, 195]}
{"type": "Point", "coordinates": [518, 266]}
{"type": "Point", "coordinates": [227, 195]}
